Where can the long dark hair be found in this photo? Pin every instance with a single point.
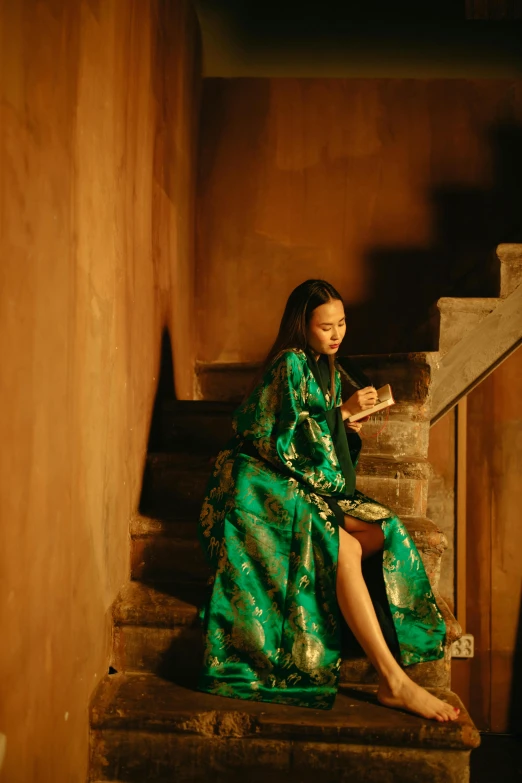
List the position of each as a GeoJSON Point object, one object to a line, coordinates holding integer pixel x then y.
{"type": "Point", "coordinates": [294, 324]}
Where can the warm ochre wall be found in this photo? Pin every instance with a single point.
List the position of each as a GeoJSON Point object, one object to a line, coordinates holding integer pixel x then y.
{"type": "Point", "coordinates": [96, 154]}
{"type": "Point", "coordinates": [395, 190]}
{"type": "Point", "coordinates": [494, 544]}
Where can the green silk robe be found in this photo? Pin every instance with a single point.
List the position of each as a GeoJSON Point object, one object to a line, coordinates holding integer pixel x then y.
{"type": "Point", "coordinates": [273, 628]}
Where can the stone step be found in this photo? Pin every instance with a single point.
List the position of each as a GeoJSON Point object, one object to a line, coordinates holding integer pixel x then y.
{"type": "Point", "coordinates": [186, 428]}
{"type": "Point", "coordinates": [196, 426]}
{"type": "Point", "coordinates": [160, 559]}
{"type": "Point", "coordinates": [402, 431]}
{"type": "Point", "coordinates": [424, 531]}
{"type": "Point", "coordinates": [159, 631]}
{"type": "Point", "coordinates": [400, 484]}
{"type": "Point", "coordinates": [510, 259]}
{"type": "Point", "coordinates": [168, 550]}
{"type": "Point", "coordinates": [450, 318]}
{"type": "Point", "coordinates": [458, 316]}
{"type": "Point", "coordinates": [407, 373]}
{"type": "Point", "coordinates": [175, 483]}
{"type": "Point", "coordinates": [477, 354]}
{"type": "Point", "coordinates": [146, 729]}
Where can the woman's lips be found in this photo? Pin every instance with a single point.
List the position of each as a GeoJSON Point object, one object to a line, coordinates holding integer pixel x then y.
{"type": "Point", "coordinates": [335, 345]}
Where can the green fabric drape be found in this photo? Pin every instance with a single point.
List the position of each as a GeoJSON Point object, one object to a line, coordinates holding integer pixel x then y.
{"type": "Point", "coordinates": [271, 620]}
{"type": "Point", "coordinates": [321, 372]}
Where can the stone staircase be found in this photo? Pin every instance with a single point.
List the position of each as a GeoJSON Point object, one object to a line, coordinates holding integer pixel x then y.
{"type": "Point", "coordinates": [147, 721]}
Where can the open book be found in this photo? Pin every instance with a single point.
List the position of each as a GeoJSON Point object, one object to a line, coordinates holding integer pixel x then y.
{"type": "Point", "coordinates": [384, 400]}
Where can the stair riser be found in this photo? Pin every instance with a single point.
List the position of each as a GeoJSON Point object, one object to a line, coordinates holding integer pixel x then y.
{"type": "Point", "coordinates": [406, 496]}
{"type": "Point", "coordinates": [157, 559]}
{"type": "Point", "coordinates": [455, 325]}
{"type": "Point", "coordinates": [167, 560]}
{"type": "Point", "coordinates": [139, 757]}
{"type": "Point", "coordinates": [177, 653]}
{"type": "Point", "coordinates": [173, 491]}
{"type": "Point", "coordinates": [168, 488]}
{"type": "Point", "coordinates": [510, 257]}
{"type": "Point", "coordinates": [429, 540]}
{"type": "Point", "coordinates": [401, 436]}
{"type": "Point", "coordinates": [193, 432]}
{"type": "Point", "coordinates": [408, 375]}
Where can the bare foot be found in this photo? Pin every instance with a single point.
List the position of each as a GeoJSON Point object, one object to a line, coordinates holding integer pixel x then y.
{"type": "Point", "coordinates": [407, 695]}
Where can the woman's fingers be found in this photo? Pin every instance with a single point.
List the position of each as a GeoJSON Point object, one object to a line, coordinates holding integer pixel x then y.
{"type": "Point", "coordinates": [367, 397]}
{"type": "Point", "coordinates": [361, 399]}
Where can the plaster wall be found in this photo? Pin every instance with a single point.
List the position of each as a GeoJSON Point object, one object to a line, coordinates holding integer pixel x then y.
{"type": "Point", "coordinates": [395, 190]}
{"type": "Point", "coordinates": [494, 540]}
{"type": "Point", "coordinates": [97, 148]}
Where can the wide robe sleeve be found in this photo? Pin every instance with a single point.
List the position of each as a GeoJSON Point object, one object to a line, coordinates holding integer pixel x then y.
{"type": "Point", "coordinates": [353, 438]}
{"type": "Point", "coordinates": [284, 432]}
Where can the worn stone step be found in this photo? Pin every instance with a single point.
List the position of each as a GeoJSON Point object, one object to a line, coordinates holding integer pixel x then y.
{"type": "Point", "coordinates": [450, 318]}
{"type": "Point", "coordinates": [167, 559]}
{"type": "Point", "coordinates": [426, 534]}
{"type": "Point", "coordinates": [400, 484]}
{"type": "Point", "coordinates": [176, 482]}
{"type": "Point", "coordinates": [406, 427]}
{"type": "Point", "coordinates": [407, 373]}
{"type": "Point", "coordinates": [159, 631]}
{"type": "Point", "coordinates": [458, 316]}
{"type": "Point", "coordinates": [144, 728]}
{"type": "Point", "coordinates": [396, 435]}
{"type": "Point", "coordinates": [169, 550]}
{"type": "Point", "coordinates": [196, 426]}
{"type": "Point", "coordinates": [186, 428]}
{"type": "Point", "coordinates": [510, 260]}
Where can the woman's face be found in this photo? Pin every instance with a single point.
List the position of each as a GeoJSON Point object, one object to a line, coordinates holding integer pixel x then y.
{"type": "Point", "coordinates": [327, 327]}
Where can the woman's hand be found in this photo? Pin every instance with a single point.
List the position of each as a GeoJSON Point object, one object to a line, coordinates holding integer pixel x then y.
{"type": "Point", "coordinates": [356, 426]}
{"type": "Point", "coordinates": [360, 401]}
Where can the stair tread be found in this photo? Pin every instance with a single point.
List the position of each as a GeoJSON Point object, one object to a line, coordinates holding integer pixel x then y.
{"type": "Point", "coordinates": [144, 604]}
{"type": "Point", "coordinates": [149, 605]}
{"type": "Point", "coordinates": [167, 525]}
{"type": "Point", "coordinates": [171, 526]}
{"type": "Point", "coordinates": [148, 703]}
{"type": "Point", "coordinates": [205, 407]}
{"type": "Point", "coordinates": [186, 462]}
{"type": "Point", "coordinates": [468, 303]}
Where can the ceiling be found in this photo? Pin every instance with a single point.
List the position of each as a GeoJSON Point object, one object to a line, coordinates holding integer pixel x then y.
{"type": "Point", "coordinates": [375, 38]}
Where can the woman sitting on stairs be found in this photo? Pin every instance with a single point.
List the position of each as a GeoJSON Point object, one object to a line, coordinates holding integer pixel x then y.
{"type": "Point", "coordinates": [286, 533]}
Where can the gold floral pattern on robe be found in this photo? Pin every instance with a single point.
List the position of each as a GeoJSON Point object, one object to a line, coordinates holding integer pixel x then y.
{"type": "Point", "coordinates": [271, 619]}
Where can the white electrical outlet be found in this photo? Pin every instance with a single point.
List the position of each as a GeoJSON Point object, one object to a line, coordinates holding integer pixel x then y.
{"type": "Point", "coordinates": [463, 647]}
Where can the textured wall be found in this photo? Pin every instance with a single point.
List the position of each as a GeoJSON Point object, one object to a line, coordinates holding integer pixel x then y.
{"type": "Point", "coordinates": [96, 154]}
{"type": "Point", "coordinates": [395, 190]}
{"type": "Point", "coordinates": [494, 542]}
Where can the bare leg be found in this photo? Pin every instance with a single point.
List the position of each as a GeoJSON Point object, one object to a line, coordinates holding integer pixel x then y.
{"type": "Point", "coordinates": [396, 689]}
{"type": "Point", "coordinates": [370, 536]}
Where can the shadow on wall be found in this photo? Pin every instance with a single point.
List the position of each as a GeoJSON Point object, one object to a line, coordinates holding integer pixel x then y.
{"type": "Point", "coordinates": [468, 224]}
{"type": "Point", "coordinates": [515, 704]}
{"type": "Point", "coordinates": [165, 391]}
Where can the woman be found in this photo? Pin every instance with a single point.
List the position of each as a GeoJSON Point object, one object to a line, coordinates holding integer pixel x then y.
{"type": "Point", "coordinates": [285, 532]}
